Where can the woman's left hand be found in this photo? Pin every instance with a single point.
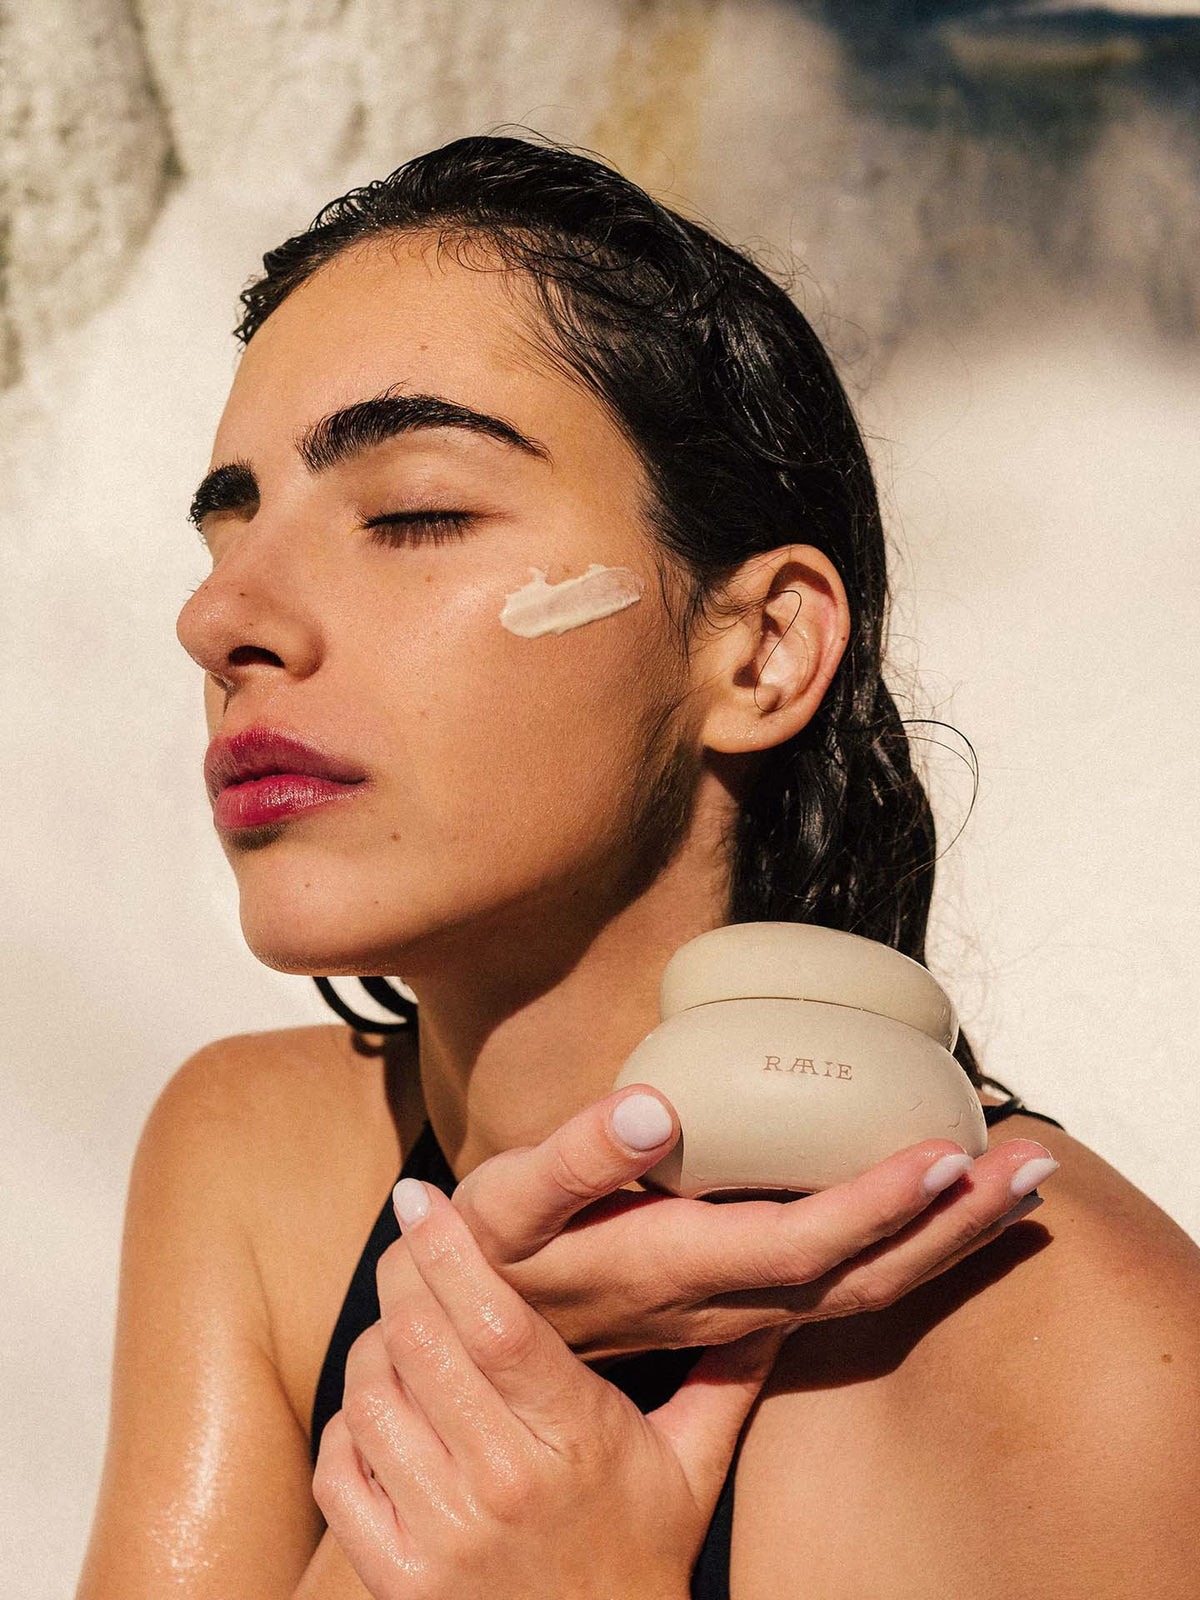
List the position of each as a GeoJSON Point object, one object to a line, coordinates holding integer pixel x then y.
{"type": "Point", "coordinates": [476, 1455]}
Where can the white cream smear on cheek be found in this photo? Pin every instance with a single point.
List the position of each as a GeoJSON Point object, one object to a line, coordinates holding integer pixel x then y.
{"type": "Point", "coordinates": [542, 607]}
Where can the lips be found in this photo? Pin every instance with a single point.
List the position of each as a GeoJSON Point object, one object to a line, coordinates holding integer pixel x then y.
{"type": "Point", "coordinates": [263, 802]}
{"type": "Point", "coordinates": [260, 752]}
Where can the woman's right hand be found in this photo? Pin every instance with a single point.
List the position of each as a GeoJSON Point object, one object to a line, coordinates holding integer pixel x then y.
{"type": "Point", "coordinates": [616, 1272]}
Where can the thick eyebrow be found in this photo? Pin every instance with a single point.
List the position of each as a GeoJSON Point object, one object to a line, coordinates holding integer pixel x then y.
{"type": "Point", "coordinates": [350, 432]}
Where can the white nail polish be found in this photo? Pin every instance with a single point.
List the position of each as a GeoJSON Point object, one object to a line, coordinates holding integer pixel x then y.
{"type": "Point", "coordinates": [1030, 1175]}
{"type": "Point", "coordinates": [642, 1121]}
{"type": "Point", "coordinates": [410, 1201]}
{"type": "Point", "coordinates": [943, 1173]}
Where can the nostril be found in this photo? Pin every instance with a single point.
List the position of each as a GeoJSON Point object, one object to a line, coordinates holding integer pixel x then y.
{"type": "Point", "coordinates": [244, 653]}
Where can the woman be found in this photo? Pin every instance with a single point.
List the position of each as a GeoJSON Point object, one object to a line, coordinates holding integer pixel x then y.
{"type": "Point", "coordinates": [540, 517]}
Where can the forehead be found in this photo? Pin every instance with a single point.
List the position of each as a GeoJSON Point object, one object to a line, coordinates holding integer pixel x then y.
{"type": "Point", "coordinates": [396, 311]}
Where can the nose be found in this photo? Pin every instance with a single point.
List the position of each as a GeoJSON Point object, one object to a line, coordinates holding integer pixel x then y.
{"type": "Point", "coordinates": [247, 617]}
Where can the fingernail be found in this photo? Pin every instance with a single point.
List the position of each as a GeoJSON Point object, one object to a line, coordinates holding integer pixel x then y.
{"type": "Point", "coordinates": [411, 1202]}
{"type": "Point", "coordinates": [642, 1121]}
{"type": "Point", "coordinates": [1031, 1174]}
{"type": "Point", "coordinates": [943, 1173]}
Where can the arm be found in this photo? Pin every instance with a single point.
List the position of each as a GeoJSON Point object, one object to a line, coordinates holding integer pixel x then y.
{"type": "Point", "coordinates": [1027, 1426]}
{"type": "Point", "coordinates": [206, 1487]}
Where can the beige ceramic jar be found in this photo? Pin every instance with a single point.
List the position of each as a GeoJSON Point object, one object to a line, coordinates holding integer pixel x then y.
{"type": "Point", "coordinates": [797, 1057]}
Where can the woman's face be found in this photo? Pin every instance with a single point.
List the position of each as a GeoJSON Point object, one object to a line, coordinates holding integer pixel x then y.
{"type": "Point", "coordinates": [511, 780]}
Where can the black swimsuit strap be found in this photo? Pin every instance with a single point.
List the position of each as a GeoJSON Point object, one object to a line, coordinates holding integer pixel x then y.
{"type": "Point", "coordinates": [993, 1114]}
{"type": "Point", "coordinates": [360, 1309]}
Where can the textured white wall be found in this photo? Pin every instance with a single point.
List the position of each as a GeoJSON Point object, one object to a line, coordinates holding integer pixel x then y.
{"type": "Point", "coordinates": [1032, 416]}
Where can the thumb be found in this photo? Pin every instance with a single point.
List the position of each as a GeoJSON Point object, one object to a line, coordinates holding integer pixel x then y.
{"type": "Point", "coordinates": [703, 1418]}
{"type": "Point", "coordinates": [537, 1189]}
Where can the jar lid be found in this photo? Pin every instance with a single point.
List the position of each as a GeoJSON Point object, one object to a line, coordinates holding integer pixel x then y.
{"type": "Point", "coordinates": [801, 961]}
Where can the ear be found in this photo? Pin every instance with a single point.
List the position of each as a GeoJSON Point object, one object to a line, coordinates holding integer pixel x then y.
{"type": "Point", "coordinates": [763, 675]}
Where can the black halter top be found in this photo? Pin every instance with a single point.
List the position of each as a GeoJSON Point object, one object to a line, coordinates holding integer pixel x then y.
{"type": "Point", "coordinates": [649, 1379]}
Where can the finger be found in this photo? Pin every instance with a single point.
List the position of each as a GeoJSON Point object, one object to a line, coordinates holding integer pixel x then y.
{"type": "Point", "coordinates": [765, 1244]}
{"type": "Point", "coordinates": [537, 1189]}
{"type": "Point", "coordinates": [801, 1241]}
{"type": "Point", "coordinates": [1018, 1213]}
{"type": "Point", "coordinates": [359, 1513]}
{"type": "Point", "coordinates": [395, 1438]}
{"type": "Point", "coordinates": [879, 1274]}
{"type": "Point", "coordinates": [935, 1240]}
{"type": "Point", "coordinates": [491, 1335]}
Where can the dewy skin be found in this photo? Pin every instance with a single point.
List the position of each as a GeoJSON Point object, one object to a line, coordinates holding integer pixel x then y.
{"type": "Point", "coordinates": [542, 607]}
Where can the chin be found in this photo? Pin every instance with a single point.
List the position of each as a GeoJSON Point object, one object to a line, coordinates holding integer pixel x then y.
{"type": "Point", "coordinates": [321, 916]}
{"type": "Point", "coordinates": [317, 960]}
{"type": "Point", "coordinates": [320, 937]}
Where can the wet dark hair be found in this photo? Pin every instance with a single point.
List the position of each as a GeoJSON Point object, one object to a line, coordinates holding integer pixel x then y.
{"type": "Point", "coordinates": [748, 442]}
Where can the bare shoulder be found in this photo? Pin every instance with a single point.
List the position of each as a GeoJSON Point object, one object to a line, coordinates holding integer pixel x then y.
{"type": "Point", "coordinates": [992, 1421]}
{"type": "Point", "coordinates": [322, 1117]}
{"type": "Point", "coordinates": [291, 1107]}
{"type": "Point", "coordinates": [1099, 1267]}
{"type": "Point", "coordinates": [253, 1173]}
{"type": "Point", "coordinates": [315, 1070]}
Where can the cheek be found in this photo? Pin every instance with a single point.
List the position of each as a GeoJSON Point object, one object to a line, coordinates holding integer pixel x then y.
{"type": "Point", "coordinates": [514, 729]}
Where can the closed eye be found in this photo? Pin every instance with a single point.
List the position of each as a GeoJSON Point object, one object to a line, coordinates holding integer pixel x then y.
{"type": "Point", "coordinates": [418, 527]}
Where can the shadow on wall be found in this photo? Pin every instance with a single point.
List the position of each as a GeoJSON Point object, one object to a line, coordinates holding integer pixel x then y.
{"type": "Point", "coordinates": [1088, 118]}
{"type": "Point", "coordinates": [1056, 67]}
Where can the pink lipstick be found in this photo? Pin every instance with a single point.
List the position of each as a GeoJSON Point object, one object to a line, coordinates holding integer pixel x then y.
{"type": "Point", "coordinates": [264, 775]}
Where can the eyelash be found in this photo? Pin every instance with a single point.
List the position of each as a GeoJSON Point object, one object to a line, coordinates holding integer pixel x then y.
{"type": "Point", "coordinates": [446, 525]}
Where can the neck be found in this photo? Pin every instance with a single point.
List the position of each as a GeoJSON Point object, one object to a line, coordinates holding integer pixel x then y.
{"type": "Point", "coordinates": [534, 1024]}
